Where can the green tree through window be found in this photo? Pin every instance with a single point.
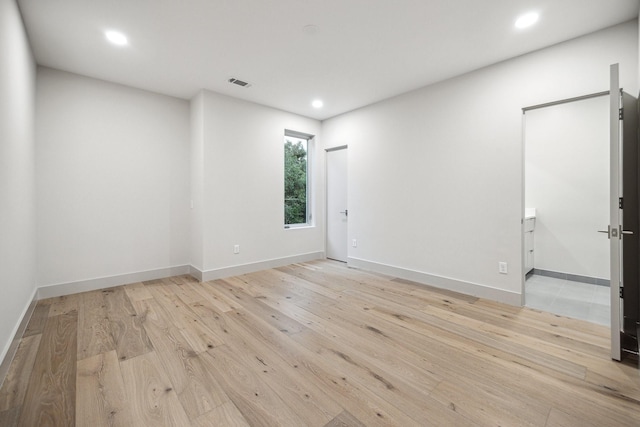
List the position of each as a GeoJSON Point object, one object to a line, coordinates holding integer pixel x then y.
{"type": "Point", "coordinates": [295, 180]}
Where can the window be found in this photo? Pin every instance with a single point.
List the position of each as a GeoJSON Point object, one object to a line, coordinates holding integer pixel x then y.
{"type": "Point", "coordinates": [296, 179]}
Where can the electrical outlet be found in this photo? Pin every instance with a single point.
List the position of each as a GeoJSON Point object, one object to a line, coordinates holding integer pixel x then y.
{"type": "Point", "coordinates": [502, 267]}
{"type": "Point", "coordinates": [236, 249]}
{"type": "Point", "coordinates": [354, 243]}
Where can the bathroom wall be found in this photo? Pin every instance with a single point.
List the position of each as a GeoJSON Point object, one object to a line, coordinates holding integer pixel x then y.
{"type": "Point", "coordinates": [567, 181]}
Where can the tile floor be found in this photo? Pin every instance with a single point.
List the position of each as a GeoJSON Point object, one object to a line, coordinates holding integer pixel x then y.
{"type": "Point", "coordinates": [567, 298]}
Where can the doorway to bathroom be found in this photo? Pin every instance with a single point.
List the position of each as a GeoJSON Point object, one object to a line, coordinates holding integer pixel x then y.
{"type": "Point", "coordinates": [550, 138]}
{"type": "Point", "coordinates": [566, 205]}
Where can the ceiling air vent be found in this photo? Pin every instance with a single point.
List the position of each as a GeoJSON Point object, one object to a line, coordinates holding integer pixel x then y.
{"type": "Point", "coordinates": [239, 82]}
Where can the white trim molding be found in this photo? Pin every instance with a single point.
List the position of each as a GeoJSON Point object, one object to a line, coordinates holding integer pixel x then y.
{"type": "Point", "coordinates": [10, 348]}
{"type": "Point", "coordinates": [60, 289]}
{"type": "Point", "coordinates": [236, 270]}
{"type": "Point", "coordinates": [196, 273]}
{"type": "Point", "coordinates": [467, 288]}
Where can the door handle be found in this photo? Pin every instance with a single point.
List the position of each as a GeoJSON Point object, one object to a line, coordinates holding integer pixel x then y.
{"type": "Point", "coordinates": [625, 231]}
{"type": "Point", "coordinates": [345, 212]}
{"type": "Point", "coordinates": [607, 231]}
{"type": "Point", "coordinates": [614, 232]}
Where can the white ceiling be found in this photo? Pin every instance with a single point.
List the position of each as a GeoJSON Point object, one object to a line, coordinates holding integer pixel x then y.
{"type": "Point", "coordinates": [363, 50]}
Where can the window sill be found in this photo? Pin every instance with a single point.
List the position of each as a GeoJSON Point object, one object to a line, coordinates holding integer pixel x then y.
{"type": "Point", "coordinates": [298, 226]}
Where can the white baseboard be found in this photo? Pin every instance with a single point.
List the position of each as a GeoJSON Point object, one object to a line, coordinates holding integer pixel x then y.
{"type": "Point", "coordinates": [467, 288]}
{"type": "Point", "coordinates": [196, 273]}
{"type": "Point", "coordinates": [236, 270]}
{"type": "Point", "coordinates": [60, 289]}
{"type": "Point", "coordinates": [10, 348]}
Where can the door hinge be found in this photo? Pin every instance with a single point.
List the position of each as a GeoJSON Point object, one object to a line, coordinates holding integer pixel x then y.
{"type": "Point", "coordinates": [620, 203]}
{"type": "Point", "coordinates": [621, 292]}
{"type": "Point", "coordinates": [620, 113]}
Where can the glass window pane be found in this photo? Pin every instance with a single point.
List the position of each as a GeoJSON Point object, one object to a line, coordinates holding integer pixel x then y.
{"type": "Point", "coordinates": [295, 180]}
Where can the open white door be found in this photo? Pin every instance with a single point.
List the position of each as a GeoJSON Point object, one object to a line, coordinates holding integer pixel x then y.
{"type": "Point", "coordinates": [614, 211]}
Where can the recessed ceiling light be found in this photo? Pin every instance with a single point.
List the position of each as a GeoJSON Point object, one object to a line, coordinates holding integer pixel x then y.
{"type": "Point", "coordinates": [116, 37]}
{"type": "Point", "coordinates": [527, 20]}
{"type": "Point", "coordinates": [317, 103]}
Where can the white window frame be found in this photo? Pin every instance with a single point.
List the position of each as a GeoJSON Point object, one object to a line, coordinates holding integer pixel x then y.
{"type": "Point", "coordinates": [310, 158]}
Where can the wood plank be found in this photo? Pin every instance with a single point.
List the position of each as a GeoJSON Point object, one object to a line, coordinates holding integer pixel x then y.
{"type": "Point", "coordinates": [400, 401]}
{"type": "Point", "coordinates": [125, 326]}
{"type": "Point", "coordinates": [183, 288]}
{"type": "Point", "coordinates": [137, 292]}
{"type": "Point", "coordinates": [558, 418]}
{"type": "Point", "coordinates": [318, 275]}
{"type": "Point", "coordinates": [51, 393]}
{"type": "Point", "coordinates": [357, 320]}
{"type": "Point", "coordinates": [474, 336]}
{"type": "Point", "coordinates": [249, 393]}
{"type": "Point", "coordinates": [562, 338]}
{"type": "Point", "coordinates": [15, 383]}
{"type": "Point", "coordinates": [197, 390]}
{"type": "Point", "coordinates": [101, 397]}
{"type": "Point", "coordinates": [216, 299]}
{"type": "Point", "coordinates": [207, 292]}
{"type": "Point", "coordinates": [344, 419]}
{"type": "Point", "coordinates": [551, 319]}
{"type": "Point", "coordinates": [64, 304]}
{"type": "Point", "coordinates": [482, 408]}
{"type": "Point", "coordinates": [405, 343]}
{"type": "Point", "coordinates": [152, 399]}
{"type": "Point", "coordinates": [198, 335]}
{"type": "Point", "coordinates": [145, 309]}
{"type": "Point", "coordinates": [384, 355]}
{"type": "Point", "coordinates": [311, 403]}
{"type": "Point", "coordinates": [421, 289]}
{"type": "Point", "coordinates": [276, 318]}
{"type": "Point", "coordinates": [9, 417]}
{"type": "Point", "coordinates": [310, 372]}
{"type": "Point", "coordinates": [94, 326]}
{"type": "Point", "coordinates": [532, 344]}
{"type": "Point", "coordinates": [520, 377]}
{"type": "Point", "coordinates": [277, 283]}
{"type": "Point", "coordinates": [226, 415]}
{"type": "Point", "coordinates": [335, 374]}
{"type": "Point", "coordinates": [38, 320]}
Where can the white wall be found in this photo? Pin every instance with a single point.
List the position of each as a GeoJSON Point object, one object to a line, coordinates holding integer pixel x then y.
{"type": "Point", "coordinates": [435, 175]}
{"type": "Point", "coordinates": [17, 188]}
{"type": "Point", "coordinates": [243, 185]}
{"type": "Point", "coordinates": [196, 250]}
{"type": "Point", "coordinates": [567, 181]}
{"type": "Point", "coordinates": [112, 179]}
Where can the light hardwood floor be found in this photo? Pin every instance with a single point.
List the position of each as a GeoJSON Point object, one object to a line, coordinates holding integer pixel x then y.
{"type": "Point", "coordinates": [315, 344]}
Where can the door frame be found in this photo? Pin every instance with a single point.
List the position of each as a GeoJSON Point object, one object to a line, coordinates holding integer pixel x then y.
{"type": "Point", "coordinates": [523, 174]}
{"type": "Point", "coordinates": [326, 196]}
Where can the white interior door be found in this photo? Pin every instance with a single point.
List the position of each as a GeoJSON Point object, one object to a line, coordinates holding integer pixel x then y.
{"type": "Point", "coordinates": [337, 212]}
{"type": "Point", "coordinates": [614, 211]}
